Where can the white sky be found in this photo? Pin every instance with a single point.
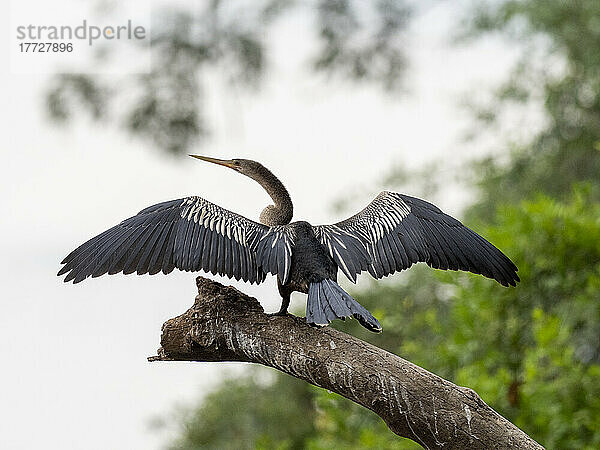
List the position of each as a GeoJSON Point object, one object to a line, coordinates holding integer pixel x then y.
{"type": "Point", "coordinates": [74, 357]}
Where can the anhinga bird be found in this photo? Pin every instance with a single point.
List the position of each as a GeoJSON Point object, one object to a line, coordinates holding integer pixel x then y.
{"type": "Point", "coordinates": [391, 234]}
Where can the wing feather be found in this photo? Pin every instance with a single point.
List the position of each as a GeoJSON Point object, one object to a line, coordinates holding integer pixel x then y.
{"type": "Point", "coordinates": [188, 234]}
{"type": "Point", "coordinates": [146, 253]}
{"type": "Point", "coordinates": [396, 231]}
{"type": "Point", "coordinates": [159, 254]}
{"type": "Point", "coordinates": [274, 251]}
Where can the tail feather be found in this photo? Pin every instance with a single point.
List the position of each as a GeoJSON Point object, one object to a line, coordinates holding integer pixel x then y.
{"type": "Point", "coordinates": [337, 302]}
{"type": "Point", "coordinates": [316, 309]}
{"type": "Point", "coordinates": [328, 301]}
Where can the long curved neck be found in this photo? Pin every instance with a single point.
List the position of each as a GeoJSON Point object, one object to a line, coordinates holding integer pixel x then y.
{"type": "Point", "coordinates": [281, 212]}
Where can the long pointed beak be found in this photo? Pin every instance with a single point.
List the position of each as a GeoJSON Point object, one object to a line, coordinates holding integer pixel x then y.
{"type": "Point", "coordinates": [222, 162]}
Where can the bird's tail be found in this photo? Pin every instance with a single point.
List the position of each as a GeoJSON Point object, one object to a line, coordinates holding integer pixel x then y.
{"type": "Point", "coordinates": [328, 301]}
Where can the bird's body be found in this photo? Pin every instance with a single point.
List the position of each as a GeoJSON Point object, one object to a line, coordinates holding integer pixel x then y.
{"type": "Point", "coordinates": [393, 232]}
{"type": "Point", "coordinates": [310, 262]}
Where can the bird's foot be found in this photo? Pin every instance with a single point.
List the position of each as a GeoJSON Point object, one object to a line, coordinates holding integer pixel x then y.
{"type": "Point", "coordinates": [281, 312]}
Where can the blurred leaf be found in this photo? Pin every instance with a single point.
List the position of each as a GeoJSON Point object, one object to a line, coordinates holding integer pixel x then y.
{"type": "Point", "coordinates": [356, 41]}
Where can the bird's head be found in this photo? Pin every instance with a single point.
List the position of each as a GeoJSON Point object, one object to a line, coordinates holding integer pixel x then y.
{"type": "Point", "coordinates": [244, 166]}
{"type": "Point", "coordinates": [281, 212]}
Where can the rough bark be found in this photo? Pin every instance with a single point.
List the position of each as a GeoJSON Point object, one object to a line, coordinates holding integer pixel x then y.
{"type": "Point", "coordinates": [227, 325]}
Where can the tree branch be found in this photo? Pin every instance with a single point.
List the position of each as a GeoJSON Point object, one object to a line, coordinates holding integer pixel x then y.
{"type": "Point", "coordinates": [227, 325]}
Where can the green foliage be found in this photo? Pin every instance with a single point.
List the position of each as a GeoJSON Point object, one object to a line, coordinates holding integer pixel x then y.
{"type": "Point", "coordinates": [560, 394]}
{"type": "Point", "coordinates": [561, 70]}
{"type": "Point", "coordinates": [533, 351]}
{"type": "Point", "coordinates": [250, 413]}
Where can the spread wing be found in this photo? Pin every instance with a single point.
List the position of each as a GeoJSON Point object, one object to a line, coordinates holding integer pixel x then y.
{"type": "Point", "coordinates": [190, 234]}
{"type": "Point", "coordinates": [274, 251]}
{"type": "Point", "coordinates": [395, 231]}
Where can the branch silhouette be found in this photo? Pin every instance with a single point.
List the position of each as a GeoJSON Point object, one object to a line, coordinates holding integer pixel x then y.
{"type": "Point", "coordinates": [227, 325]}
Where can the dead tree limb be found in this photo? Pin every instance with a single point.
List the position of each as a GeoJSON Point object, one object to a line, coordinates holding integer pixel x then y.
{"type": "Point", "coordinates": [227, 325]}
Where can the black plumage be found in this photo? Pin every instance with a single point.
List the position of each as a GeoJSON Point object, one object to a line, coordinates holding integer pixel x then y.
{"type": "Point", "coordinates": [391, 234]}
